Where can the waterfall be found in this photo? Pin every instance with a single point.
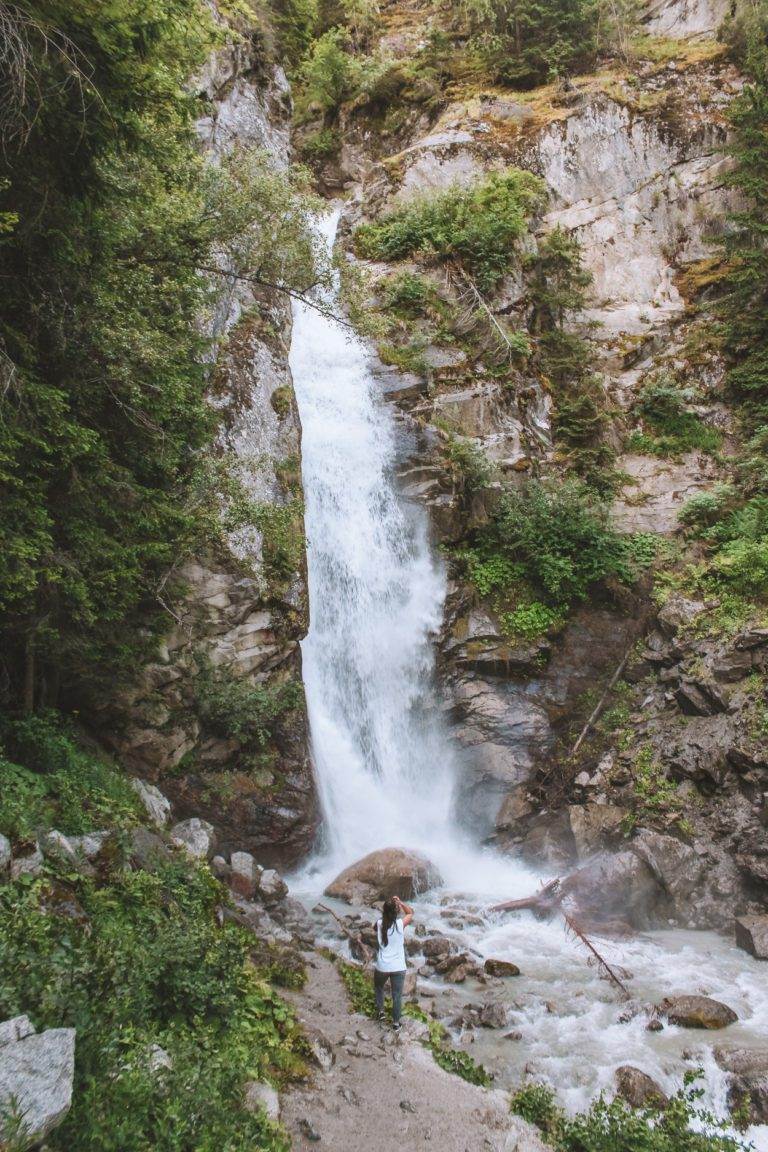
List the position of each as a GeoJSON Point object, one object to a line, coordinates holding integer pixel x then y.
{"type": "Point", "coordinates": [376, 590]}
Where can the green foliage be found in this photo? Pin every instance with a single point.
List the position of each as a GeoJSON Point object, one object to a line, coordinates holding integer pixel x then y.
{"type": "Point", "coordinates": [607, 1127]}
{"type": "Point", "coordinates": [529, 621]}
{"type": "Point", "coordinates": [48, 781]}
{"type": "Point", "coordinates": [671, 428]}
{"type": "Point", "coordinates": [557, 289]}
{"type": "Point", "coordinates": [655, 795]}
{"type": "Point", "coordinates": [329, 73]}
{"type": "Point", "coordinates": [135, 960]}
{"type": "Point", "coordinates": [406, 295]}
{"type": "Point", "coordinates": [526, 42]}
{"type": "Point", "coordinates": [470, 466]}
{"type": "Point", "coordinates": [479, 226]}
{"type": "Point", "coordinates": [558, 539]}
{"type": "Point", "coordinates": [296, 23]}
{"type": "Point", "coordinates": [105, 417]}
{"type": "Point", "coordinates": [239, 710]}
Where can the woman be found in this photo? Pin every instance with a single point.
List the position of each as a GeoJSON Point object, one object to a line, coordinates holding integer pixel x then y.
{"type": "Point", "coordinates": [390, 956]}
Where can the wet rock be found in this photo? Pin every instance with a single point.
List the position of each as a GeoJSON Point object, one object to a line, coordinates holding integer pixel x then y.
{"type": "Point", "coordinates": [262, 1097]}
{"type": "Point", "coordinates": [244, 874]}
{"type": "Point", "coordinates": [752, 935]}
{"type": "Point", "coordinates": [748, 1087]}
{"type": "Point", "coordinates": [435, 947]}
{"type": "Point", "coordinates": [493, 1015]}
{"type": "Point", "coordinates": [382, 874]}
{"type": "Point", "coordinates": [697, 1012]}
{"type": "Point", "coordinates": [676, 866]}
{"type": "Point", "coordinates": [157, 806]}
{"type": "Point", "coordinates": [620, 886]}
{"type": "Point", "coordinates": [272, 887]}
{"type": "Point", "coordinates": [36, 1076]}
{"type": "Point", "coordinates": [638, 1088]}
{"type": "Point", "coordinates": [494, 967]}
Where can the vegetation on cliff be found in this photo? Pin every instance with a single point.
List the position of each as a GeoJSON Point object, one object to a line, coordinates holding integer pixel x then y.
{"type": "Point", "coordinates": [110, 213]}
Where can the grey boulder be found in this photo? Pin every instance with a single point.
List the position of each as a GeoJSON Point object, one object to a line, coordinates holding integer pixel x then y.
{"type": "Point", "coordinates": [36, 1075]}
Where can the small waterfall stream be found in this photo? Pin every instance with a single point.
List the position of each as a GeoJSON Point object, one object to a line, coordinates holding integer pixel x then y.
{"type": "Point", "coordinates": [384, 765]}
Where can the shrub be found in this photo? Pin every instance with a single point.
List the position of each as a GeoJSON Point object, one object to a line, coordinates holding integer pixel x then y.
{"type": "Point", "coordinates": [406, 294]}
{"type": "Point", "coordinates": [469, 464]}
{"type": "Point", "coordinates": [241, 710]}
{"type": "Point", "coordinates": [479, 225]}
{"type": "Point", "coordinates": [529, 621]}
{"type": "Point", "coordinates": [607, 1127]}
{"type": "Point", "coordinates": [672, 428]}
{"type": "Point", "coordinates": [328, 73]}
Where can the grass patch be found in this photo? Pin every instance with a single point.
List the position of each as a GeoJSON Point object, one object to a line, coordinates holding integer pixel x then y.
{"type": "Point", "coordinates": [670, 428]}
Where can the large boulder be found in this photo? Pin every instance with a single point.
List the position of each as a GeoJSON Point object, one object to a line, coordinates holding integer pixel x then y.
{"type": "Point", "coordinates": [621, 886]}
{"type": "Point", "coordinates": [595, 827]}
{"type": "Point", "coordinates": [385, 873]}
{"type": "Point", "coordinates": [638, 1088]}
{"type": "Point", "coordinates": [36, 1075]}
{"type": "Point", "coordinates": [697, 1012]}
{"type": "Point", "coordinates": [748, 1086]}
{"type": "Point", "coordinates": [752, 935]}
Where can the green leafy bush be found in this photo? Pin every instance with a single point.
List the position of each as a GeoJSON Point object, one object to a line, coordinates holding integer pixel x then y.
{"type": "Point", "coordinates": [529, 621]}
{"type": "Point", "coordinates": [136, 960]}
{"type": "Point", "coordinates": [479, 225]}
{"type": "Point", "coordinates": [240, 710]}
{"type": "Point", "coordinates": [609, 1127]}
{"type": "Point", "coordinates": [470, 466]}
{"type": "Point", "coordinates": [672, 428]}
{"type": "Point", "coordinates": [49, 781]}
{"type": "Point", "coordinates": [329, 72]}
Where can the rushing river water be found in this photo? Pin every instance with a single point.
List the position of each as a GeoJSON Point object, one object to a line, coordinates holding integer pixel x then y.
{"type": "Point", "coordinates": [385, 769]}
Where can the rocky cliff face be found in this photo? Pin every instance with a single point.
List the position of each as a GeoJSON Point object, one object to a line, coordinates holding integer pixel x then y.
{"type": "Point", "coordinates": [633, 163]}
{"type": "Point", "coordinates": [245, 611]}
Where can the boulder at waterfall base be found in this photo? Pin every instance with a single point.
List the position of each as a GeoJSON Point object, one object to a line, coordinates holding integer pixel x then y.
{"type": "Point", "coordinates": [384, 873]}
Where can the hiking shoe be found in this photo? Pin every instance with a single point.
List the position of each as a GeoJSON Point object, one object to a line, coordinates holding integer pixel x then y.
{"type": "Point", "coordinates": [382, 1017]}
{"type": "Point", "coordinates": [397, 1026]}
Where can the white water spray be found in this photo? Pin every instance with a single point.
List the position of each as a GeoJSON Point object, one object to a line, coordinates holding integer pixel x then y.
{"type": "Point", "coordinates": [384, 767]}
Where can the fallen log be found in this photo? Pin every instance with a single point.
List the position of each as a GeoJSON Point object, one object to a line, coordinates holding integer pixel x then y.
{"type": "Point", "coordinates": [545, 900]}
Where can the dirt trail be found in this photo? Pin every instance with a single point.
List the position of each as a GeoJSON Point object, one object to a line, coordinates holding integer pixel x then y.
{"type": "Point", "coordinates": [385, 1092]}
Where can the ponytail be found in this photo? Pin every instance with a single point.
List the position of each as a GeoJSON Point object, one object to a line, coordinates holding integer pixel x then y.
{"type": "Point", "coordinates": [388, 918]}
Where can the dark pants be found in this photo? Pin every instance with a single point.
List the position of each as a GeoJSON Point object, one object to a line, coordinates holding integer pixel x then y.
{"type": "Point", "coordinates": [397, 981]}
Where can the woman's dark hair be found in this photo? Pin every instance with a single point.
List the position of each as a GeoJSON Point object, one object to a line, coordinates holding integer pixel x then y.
{"type": "Point", "coordinates": [388, 918]}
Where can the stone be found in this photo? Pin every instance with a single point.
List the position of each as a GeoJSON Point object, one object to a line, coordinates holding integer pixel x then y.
{"type": "Point", "coordinates": [146, 849]}
{"type": "Point", "coordinates": [244, 874]}
{"type": "Point", "coordinates": [494, 967]}
{"type": "Point", "coordinates": [697, 1012]}
{"type": "Point", "coordinates": [57, 846]}
{"type": "Point", "coordinates": [677, 867]}
{"type": "Point", "coordinates": [89, 845]}
{"type": "Point", "coordinates": [435, 947]}
{"type": "Point", "coordinates": [494, 1015]}
{"type": "Point", "coordinates": [595, 826]}
{"type": "Point", "coordinates": [385, 873]}
{"type": "Point", "coordinates": [700, 698]}
{"type": "Point", "coordinates": [158, 1060]}
{"type": "Point", "coordinates": [262, 1097]}
{"type": "Point", "coordinates": [272, 887]}
{"type": "Point", "coordinates": [157, 806]}
{"type": "Point", "coordinates": [36, 1076]}
{"type": "Point", "coordinates": [679, 613]}
{"type": "Point", "coordinates": [5, 854]}
{"type": "Point", "coordinates": [195, 837]}
{"type": "Point", "coordinates": [638, 1088]}
{"type": "Point", "coordinates": [320, 1049]}
{"type": "Point", "coordinates": [29, 865]}
{"type": "Point", "coordinates": [16, 1029]}
{"type": "Point", "coordinates": [752, 935]}
{"type": "Point", "coordinates": [617, 886]}
{"type": "Point", "coordinates": [220, 869]}
{"type": "Point", "coordinates": [748, 1085]}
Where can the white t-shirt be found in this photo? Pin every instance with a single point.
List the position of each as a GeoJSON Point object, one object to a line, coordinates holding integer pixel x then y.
{"type": "Point", "coordinates": [391, 957]}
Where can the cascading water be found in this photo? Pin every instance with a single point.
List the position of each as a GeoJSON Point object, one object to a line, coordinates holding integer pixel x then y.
{"type": "Point", "coordinates": [384, 767]}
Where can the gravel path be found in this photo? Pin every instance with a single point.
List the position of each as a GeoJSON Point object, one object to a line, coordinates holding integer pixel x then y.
{"type": "Point", "coordinates": [384, 1093]}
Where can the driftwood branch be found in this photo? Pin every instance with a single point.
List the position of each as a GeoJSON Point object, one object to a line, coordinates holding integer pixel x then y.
{"type": "Point", "coordinates": [600, 704]}
{"type": "Point", "coordinates": [473, 290]}
{"type": "Point", "coordinates": [603, 967]}
{"type": "Point", "coordinates": [545, 900]}
{"type": "Point", "coordinates": [355, 939]}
